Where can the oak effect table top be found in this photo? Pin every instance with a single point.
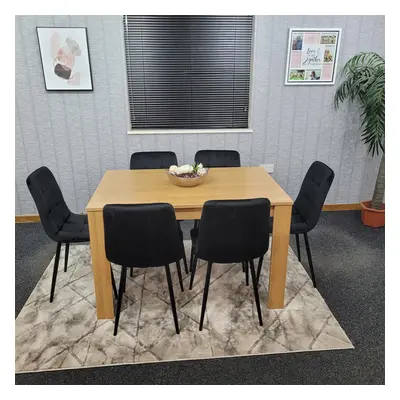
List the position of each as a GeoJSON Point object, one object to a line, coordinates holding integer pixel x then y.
{"type": "Point", "coordinates": [154, 186]}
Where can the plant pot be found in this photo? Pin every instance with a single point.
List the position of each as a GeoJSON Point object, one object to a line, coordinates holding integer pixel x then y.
{"type": "Point", "coordinates": [372, 217]}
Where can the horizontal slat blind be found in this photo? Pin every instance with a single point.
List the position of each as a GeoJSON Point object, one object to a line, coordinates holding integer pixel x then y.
{"type": "Point", "coordinates": [188, 72]}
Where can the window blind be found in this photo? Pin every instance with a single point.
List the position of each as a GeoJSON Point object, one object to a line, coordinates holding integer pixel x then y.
{"type": "Point", "coordinates": [188, 72]}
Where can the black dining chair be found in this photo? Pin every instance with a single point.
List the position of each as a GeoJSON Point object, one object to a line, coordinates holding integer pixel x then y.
{"type": "Point", "coordinates": [217, 158]}
{"type": "Point", "coordinates": [153, 160]}
{"type": "Point", "coordinates": [142, 235]}
{"type": "Point", "coordinates": [59, 223]}
{"type": "Point", "coordinates": [231, 231]}
{"type": "Point", "coordinates": [308, 206]}
{"type": "Point", "coordinates": [157, 160]}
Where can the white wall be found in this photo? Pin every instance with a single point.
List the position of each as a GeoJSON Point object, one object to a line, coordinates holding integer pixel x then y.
{"type": "Point", "coordinates": [81, 135]}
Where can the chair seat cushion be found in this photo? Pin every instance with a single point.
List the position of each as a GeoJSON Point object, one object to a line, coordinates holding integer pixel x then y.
{"type": "Point", "coordinates": [297, 224]}
{"type": "Point", "coordinates": [194, 233]}
{"type": "Point", "coordinates": [74, 230]}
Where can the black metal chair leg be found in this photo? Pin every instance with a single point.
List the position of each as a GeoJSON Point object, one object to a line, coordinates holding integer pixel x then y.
{"type": "Point", "coordinates": [66, 256]}
{"type": "Point", "coordinates": [192, 253]}
{"type": "Point", "coordinates": [124, 287]}
{"type": "Point", "coordinates": [260, 262]}
{"type": "Point", "coordinates": [193, 269]}
{"type": "Point", "coordinates": [246, 268]}
{"type": "Point", "coordinates": [185, 261]}
{"type": "Point", "coordinates": [113, 283]}
{"type": "Point", "coordinates": [298, 247]}
{"type": "Point", "coordinates": [310, 263]}
{"type": "Point", "coordinates": [131, 273]}
{"type": "Point", "coordinates": [119, 301]}
{"type": "Point", "coordinates": [205, 294]}
{"type": "Point", "coordinates": [193, 250]}
{"type": "Point", "coordinates": [55, 270]}
{"type": "Point", "coordinates": [255, 286]}
{"type": "Point", "coordinates": [178, 267]}
{"type": "Point", "coordinates": [172, 298]}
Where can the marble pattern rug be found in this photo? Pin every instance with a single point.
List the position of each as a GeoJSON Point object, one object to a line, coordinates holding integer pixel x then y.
{"type": "Point", "coordinates": [67, 334]}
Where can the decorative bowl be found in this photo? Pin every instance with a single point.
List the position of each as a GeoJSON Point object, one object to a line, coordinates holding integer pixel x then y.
{"type": "Point", "coordinates": [187, 181]}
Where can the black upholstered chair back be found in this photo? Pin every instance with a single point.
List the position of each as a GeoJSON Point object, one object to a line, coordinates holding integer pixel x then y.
{"type": "Point", "coordinates": [313, 192]}
{"type": "Point", "coordinates": [141, 235]}
{"type": "Point", "coordinates": [46, 193]}
{"type": "Point", "coordinates": [153, 160]}
{"type": "Point", "coordinates": [218, 158]}
{"type": "Point", "coordinates": [233, 230]}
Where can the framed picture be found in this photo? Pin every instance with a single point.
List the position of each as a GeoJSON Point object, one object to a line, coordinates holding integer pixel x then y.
{"type": "Point", "coordinates": [65, 58]}
{"type": "Point", "coordinates": [312, 56]}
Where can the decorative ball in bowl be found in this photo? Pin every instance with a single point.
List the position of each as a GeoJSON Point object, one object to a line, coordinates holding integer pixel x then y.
{"type": "Point", "coordinates": [187, 175]}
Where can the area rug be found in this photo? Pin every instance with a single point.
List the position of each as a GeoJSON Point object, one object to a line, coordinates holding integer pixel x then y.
{"type": "Point", "coordinates": [66, 333]}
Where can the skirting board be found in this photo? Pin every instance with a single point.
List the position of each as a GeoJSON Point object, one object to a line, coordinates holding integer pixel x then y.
{"type": "Point", "coordinates": [21, 219]}
{"type": "Point", "coordinates": [342, 207]}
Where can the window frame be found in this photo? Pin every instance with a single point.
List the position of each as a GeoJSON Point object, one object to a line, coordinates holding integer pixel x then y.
{"type": "Point", "coordinates": [153, 131]}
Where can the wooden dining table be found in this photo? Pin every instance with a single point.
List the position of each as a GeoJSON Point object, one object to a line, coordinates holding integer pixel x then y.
{"type": "Point", "coordinates": [154, 186]}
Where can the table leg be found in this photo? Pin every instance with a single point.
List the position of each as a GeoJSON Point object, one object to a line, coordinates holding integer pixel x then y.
{"type": "Point", "coordinates": [100, 267]}
{"type": "Point", "coordinates": [279, 254]}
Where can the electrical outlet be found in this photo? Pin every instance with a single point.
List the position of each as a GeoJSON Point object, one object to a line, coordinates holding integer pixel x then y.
{"type": "Point", "coordinates": [268, 167]}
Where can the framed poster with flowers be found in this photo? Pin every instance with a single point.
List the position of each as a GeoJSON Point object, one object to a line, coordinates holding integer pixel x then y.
{"type": "Point", "coordinates": [65, 58]}
{"type": "Point", "coordinates": [312, 56]}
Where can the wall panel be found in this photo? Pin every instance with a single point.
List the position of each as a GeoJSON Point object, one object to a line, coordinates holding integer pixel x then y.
{"type": "Point", "coordinates": [81, 135]}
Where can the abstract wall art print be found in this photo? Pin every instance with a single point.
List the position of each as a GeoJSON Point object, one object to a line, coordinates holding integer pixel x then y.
{"type": "Point", "coordinates": [65, 58]}
{"type": "Point", "coordinates": [312, 56]}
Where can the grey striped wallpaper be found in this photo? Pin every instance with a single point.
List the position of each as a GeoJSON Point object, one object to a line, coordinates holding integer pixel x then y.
{"type": "Point", "coordinates": [81, 135]}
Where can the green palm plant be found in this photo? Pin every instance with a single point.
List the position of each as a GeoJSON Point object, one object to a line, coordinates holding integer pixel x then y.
{"type": "Point", "coordinates": [363, 81]}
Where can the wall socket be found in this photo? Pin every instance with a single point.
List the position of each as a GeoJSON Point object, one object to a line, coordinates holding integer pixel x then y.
{"type": "Point", "coordinates": [268, 167]}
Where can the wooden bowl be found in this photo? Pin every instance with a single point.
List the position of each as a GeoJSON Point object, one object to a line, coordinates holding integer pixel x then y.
{"type": "Point", "coordinates": [187, 182]}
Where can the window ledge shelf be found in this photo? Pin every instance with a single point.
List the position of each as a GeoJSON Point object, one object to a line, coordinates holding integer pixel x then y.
{"type": "Point", "coordinates": [185, 131]}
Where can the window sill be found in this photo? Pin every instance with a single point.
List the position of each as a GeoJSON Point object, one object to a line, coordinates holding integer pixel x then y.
{"type": "Point", "coordinates": [186, 131]}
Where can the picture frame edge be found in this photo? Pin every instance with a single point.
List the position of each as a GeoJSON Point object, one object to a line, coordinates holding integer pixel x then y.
{"type": "Point", "coordinates": [305, 82]}
{"type": "Point", "coordinates": [89, 61]}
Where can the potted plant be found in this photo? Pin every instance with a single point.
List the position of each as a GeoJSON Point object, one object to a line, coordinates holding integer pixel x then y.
{"type": "Point", "coordinates": [363, 81]}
